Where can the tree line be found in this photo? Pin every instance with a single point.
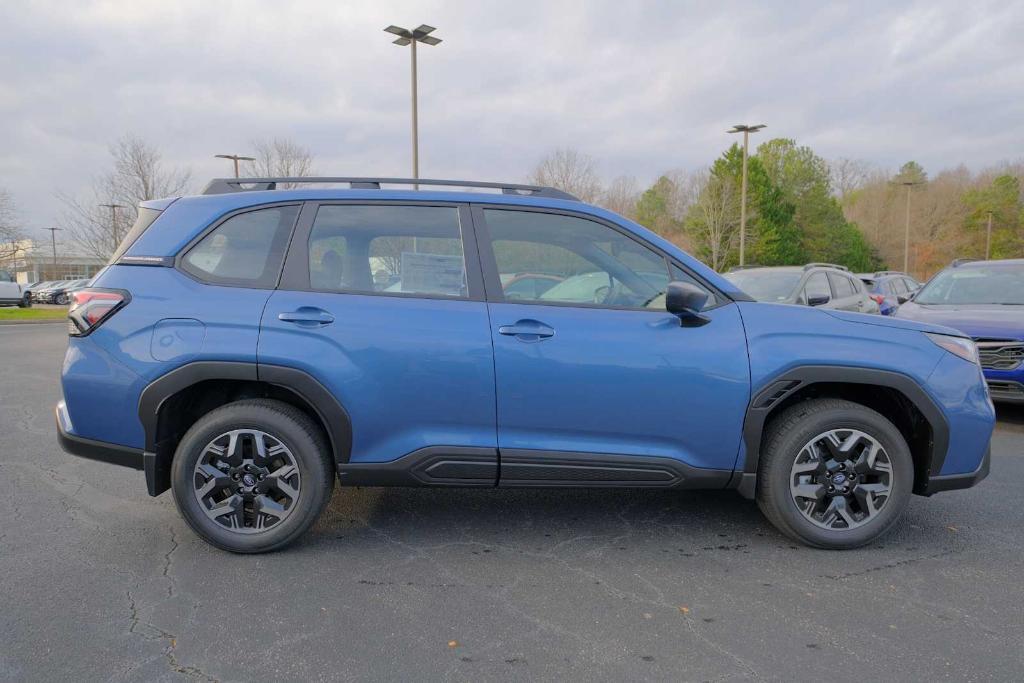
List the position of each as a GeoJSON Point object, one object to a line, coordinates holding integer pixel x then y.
{"type": "Point", "coordinates": [802, 208]}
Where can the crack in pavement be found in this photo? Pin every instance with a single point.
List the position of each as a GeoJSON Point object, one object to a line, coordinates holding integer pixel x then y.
{"type": "Point", "coordinates": [171, 640]}
{"type": "Point", "coordinates": [167, 564]}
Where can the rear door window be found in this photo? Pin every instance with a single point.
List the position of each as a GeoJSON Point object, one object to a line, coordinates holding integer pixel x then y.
{"type": "Point", "coordinates": [841, 285]}
{"type": "Point", "coordinates": [388, 249]}
{"type": "Point", "coordinates": [245, 250]}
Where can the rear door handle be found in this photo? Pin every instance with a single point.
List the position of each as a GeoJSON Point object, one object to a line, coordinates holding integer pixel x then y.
{"type": "Point", "coordinates": [527, 330]}
{"type": "Point", "coordinates": [307, 316]}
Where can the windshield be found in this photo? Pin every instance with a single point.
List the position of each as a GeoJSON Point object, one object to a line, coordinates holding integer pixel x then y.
{"type": "Point", "coordinates": [766, 285]}
{"type": "Point", "coordinates": [995, 284]}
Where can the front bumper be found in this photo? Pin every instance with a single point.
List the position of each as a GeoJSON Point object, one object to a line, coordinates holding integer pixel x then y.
{"type": "Point", "coordinates": [952, 482]}
{"type": "Point", "coordinates": [114, 454]}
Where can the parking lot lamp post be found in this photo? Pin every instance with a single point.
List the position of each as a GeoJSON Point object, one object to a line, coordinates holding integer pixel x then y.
{"type": "Point", "coordinates": [235, 158]}
{"type": "Point", "coordinates": [53, 244]}
{"type": "Point", "coordinates": [410, 38]}
{"type": "Point", "coordinates": [746, 130]}
{"type": "Point", "coordinates": [906, 228]}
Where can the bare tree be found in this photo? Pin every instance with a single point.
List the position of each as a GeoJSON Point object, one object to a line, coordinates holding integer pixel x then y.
{"type": "Point", "coordinates": [280, 158]}
{"type": "Point", "coordinates": [11, 234]}
{"type": "Point", "coordinates": [571, 171]}
{"type": "Point", "coordinates": [848, 175]}
{"type": "Point", "coordinates": [138, 175]}
{"type": "Point", "coordinates": [713, 219]}
{"type": "Point", "coordinates": [621, 196]}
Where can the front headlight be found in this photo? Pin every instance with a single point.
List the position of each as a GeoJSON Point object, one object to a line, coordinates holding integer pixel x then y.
{"type": "Point", "coordinates": [958, 346]}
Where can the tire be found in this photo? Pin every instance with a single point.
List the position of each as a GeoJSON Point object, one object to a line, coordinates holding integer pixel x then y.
{"type": "Point", "coordinates": [26, 301]}
{"type": "Point", "coordinates": [303, 452]}
{"type": "Point", "coordinates": [792, 448]}
{"type": "Point", "coordinates": [62, 299]}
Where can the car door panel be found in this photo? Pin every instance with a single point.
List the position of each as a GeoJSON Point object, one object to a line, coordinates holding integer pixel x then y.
{"type": "Point", "coordinates": [622, 382]}
{"type": "Point", "coordinates": [589, 380]}
{"type": "Point", "coordinates": [413, 369]}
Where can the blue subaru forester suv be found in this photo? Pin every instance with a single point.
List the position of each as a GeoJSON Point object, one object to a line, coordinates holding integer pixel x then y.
{"type": "Point", "coordinates": [248, 347]}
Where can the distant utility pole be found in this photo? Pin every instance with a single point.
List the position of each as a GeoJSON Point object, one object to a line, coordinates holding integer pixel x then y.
{"type": "Point", "coordinates": [746, 130]}
{"type": "Point", "coordinates": [113, 222]}
{"type": "Point", "coordinates": [407, 37]}
{"type": "Point", "coordinates": [235, 158]}
{"type": "Point", "coordinates": [906, 229]}
{"type": "Point", "coordinates": [53, 244]}
{"type": "Point", "coordinates": [988, 238]}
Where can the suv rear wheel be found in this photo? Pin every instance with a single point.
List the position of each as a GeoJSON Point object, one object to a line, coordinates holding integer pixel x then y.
{"type": "Point", "coordinates": [26, 300]}
{"type": "Point", "coordinates": [834, 474]}
{"type": "Point", "coordinates": [252, 476]}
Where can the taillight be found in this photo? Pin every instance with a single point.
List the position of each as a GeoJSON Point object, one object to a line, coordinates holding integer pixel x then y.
{"type": "Point", "coordinates": [90, 307]}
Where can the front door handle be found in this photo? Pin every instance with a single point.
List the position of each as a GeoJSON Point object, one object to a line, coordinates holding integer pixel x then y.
{"type": "Point", "coordinates": [307, 316]}
{"type": "Point", "coordinates": [527, 330]}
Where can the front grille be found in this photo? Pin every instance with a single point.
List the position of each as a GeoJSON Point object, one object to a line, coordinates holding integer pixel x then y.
{"type": "Point", "coordinates": [1001, 355]}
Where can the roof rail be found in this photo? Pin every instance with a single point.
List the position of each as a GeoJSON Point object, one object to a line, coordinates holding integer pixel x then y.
{"type": "Point", "coordinates": [826, 265]}
{"type": "Point", "coordinates": [961, 261]}
{"type": "Point", "coordinates": [227, 185]}
{"type": "Point", "coordinates": [880, 273]}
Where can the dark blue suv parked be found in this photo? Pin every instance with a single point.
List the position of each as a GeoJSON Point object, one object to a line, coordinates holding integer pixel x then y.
{"type": "Point", "coordinates": [247, 347]}
{"type": "Point", "coordinates": [983, 299]}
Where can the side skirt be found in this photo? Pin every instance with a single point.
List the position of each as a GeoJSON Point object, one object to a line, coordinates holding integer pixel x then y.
{"type": "Point", "coordinates": [486, 467]}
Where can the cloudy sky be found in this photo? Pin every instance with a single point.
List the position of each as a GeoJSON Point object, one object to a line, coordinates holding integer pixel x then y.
{"type": "Point", "coordinates": [640, 86]}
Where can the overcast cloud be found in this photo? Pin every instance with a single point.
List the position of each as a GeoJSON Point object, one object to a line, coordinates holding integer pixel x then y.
{"type": "Point", "coordinates": [641, 86]}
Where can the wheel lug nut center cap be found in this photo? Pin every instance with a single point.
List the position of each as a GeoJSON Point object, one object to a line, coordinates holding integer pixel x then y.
{"type": "Point", "coordinates": [248, 479]}
{"type": "Point", "coordinates": [839, 479]}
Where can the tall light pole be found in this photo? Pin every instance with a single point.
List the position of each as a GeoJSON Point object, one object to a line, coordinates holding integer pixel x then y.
{"type": "Point", "coordinates": [988, 238]}
{"type": "Point", "coordinates": [906, 228]}
{"type": "Point", "coordinates": [53, 244]}
{"type": "Point", "coordinates": [235, 158]}
{"type": "Point", "coordinates": [410, 38]}
{"type": "Point", "coordinates": [113, 222]}
{"type": "Point", "coordinates": [746, 130]}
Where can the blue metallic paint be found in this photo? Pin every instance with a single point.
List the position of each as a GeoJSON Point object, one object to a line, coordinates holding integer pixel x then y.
{"type": "Point", "coordinates": [105, 373]}
{"type": "Point", "coordinates": [623, 382]}
{"type": "Point", "coordinates": [959, 389]}
{"type": "Point", "coordinates": [412, 372]}
{"type": "Point", "coordinates": [417, 372]}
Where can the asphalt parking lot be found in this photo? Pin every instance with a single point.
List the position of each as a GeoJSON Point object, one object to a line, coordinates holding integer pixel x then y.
{"type": "Point", "coordinates": [98, 581]}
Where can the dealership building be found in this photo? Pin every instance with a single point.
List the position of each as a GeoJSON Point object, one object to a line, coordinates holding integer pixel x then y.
{"type": "Point", "coordinates": [34, 261]}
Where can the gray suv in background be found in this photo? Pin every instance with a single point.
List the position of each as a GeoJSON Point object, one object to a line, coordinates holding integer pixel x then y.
{"type": "Point", "coordinates": [816, 284]}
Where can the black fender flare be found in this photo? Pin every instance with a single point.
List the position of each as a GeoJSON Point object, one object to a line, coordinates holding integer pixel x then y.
{"type": "Point", "coordinates": [776, 390]}
{"type": "Point", "coordinates": [157, 457]}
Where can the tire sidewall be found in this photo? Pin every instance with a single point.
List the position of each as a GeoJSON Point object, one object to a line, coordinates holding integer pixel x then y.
{"type": "Point", "coordinates": [788, 447]}
{"type": "Point", "coordinates": [308, 458]}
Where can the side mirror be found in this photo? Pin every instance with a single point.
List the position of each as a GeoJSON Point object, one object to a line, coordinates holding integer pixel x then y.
{"type": "Point", "coordinates": [686, 301]}
{"type": "Point", "coordinates": [904, 298]}
{"type": "Point", "coordinates": [817, 300]}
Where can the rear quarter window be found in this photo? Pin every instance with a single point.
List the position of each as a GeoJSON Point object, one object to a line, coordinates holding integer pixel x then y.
{"type": "Point", "coordinates": [245, 250]}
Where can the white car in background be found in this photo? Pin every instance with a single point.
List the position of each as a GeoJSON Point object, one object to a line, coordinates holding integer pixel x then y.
{"type": "Point", "coordinates": [11, 293]}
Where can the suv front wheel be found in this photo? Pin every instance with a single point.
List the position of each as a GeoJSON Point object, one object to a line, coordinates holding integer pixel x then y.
{"type": "Point", "coordinates": [834, 474]}
{"type": "Point", "coordinates": [252, 476]}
